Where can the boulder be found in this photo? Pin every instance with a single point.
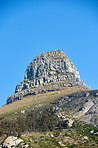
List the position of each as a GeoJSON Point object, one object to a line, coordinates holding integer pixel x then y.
{"type": "Point", "coordinates": [68, 122]}
{"type": "Point", "coordinates": [85, 138]}
{"type": "Point", "coordinates": [92, 131]}
{"type": "Point", "coordinates": [61, 144]}
{"type": "Point", "coordinates": [12, 141]}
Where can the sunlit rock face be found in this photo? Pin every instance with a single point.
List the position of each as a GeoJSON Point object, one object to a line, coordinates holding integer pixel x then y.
{"type": "Point", "coordinates": [50, 64]}
{"type": "Point", "coordinates": [49, 67]}
{"type": "Point", "coordinates": [84, 104]}
{"type": "Point", "coordinates": [49, 71]}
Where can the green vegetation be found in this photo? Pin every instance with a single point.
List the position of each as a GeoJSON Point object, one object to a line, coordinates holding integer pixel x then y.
{"type": "Point", "coordinates": [69, 137]}
{"type": "Point", "coordinates": [46, 130]}
{"type": "Point", "coordinates": [42, 122]}
{"type": "Point", "coordinates": [40, 127]}
{"type": "Point", "coordinates": [85, 129]}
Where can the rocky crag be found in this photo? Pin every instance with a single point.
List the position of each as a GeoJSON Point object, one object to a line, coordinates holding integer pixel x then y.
{"type": "Point", "coordinates": [81, 105]}
{"type": "Point", "coordinates": [49, 71]}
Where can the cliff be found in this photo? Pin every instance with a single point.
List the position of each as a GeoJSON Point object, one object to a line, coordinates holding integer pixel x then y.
{"type": "Point", "coordinates": [53, 70]}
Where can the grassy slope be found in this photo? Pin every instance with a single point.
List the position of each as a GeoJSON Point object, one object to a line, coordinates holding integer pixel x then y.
{"type": "Point", "coordinates": [71, 137]}
{"type": "Point", "coordinates": [39, 101]}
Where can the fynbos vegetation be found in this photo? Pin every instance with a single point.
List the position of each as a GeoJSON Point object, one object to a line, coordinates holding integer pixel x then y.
{"type": "Point", "coordinates": [42, 122]}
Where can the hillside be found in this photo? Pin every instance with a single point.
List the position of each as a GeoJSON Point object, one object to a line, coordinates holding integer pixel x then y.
{"type": "Point", "coordinates": [51, 107]}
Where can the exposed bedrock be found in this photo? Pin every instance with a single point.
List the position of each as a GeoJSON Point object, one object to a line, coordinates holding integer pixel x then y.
{"type": "Point", "coordinates": [50, 69]}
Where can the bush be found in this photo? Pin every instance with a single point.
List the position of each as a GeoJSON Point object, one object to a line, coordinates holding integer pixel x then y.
{"type": "Point", "coordinates": [46, 121]}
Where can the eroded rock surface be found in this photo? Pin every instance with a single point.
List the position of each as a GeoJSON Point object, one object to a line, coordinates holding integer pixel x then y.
{"type": "Point", "coordinates": [50, 69]}
{"type": "Point", "coordinates": [84, 109]}
{"type": "Point", "coordinates": [85, 102]}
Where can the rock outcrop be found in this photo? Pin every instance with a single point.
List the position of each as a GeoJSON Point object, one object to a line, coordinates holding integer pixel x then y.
{"type": "Point", "coordinates": [83, 104]}
{"type": "Point", "coordinates": [12, 141]}
{"type": "Point", "coordinates": [48, 69]}
{"type": "Point", "coordinates": [69, 122]}
{"type": "Point", "coordinates": [84, 109]}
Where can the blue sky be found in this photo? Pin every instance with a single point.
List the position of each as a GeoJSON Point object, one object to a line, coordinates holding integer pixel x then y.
{"type": "Point", "coordinates": [29, 28]}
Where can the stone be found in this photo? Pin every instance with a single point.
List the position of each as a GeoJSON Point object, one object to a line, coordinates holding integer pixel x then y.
{"type": "Point", "coordinates": [22, 111]}
{"type": "Point", "coordinates": [17, 141]}
{"type": "Point", "coordinates": [96, 133]}
{"type": "Point", "coordinates": [26, 146]}
{"type": "Point", "coordinates": [12, 141]}
{"type": "Point", "coordinates": [84, 109]}
{"type": "Point", "coordinates": [86, 117]}
{"type": "Point", "coordinates": [87, 94]}
{"type": "Point", "coordinates": [96, 94]}
{"type": "Point", "coordinates": [51, 135]}
{"type": "Point", "coordinates": [92, 131]}
{"type": "Point", "coordinates": [61, 144]}
{"type": "Point", "coordinates": [70, 121]}
{"type": "Point", "coordinates": [85, 138]}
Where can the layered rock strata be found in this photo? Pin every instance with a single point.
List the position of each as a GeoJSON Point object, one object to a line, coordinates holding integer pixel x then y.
{"type": "Point", "coordinates": [48, 69]}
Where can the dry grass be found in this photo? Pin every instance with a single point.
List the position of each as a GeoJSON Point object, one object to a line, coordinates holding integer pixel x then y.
{"type": "Point", "coordinates": [31, 100]}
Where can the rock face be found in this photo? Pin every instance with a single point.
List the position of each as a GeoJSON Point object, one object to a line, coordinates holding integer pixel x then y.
{"type": "Point", "coordinates": [84, 109]}
{"type": "Point", "coordinates": [85, 102]}
{"type": "Point", "coordinates": [49, 68]}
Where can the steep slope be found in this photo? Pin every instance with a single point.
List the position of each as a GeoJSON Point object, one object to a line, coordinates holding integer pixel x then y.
{"type": "Point", "coordinates": [80, 105]}
{"type": "Point", "coordinates": [39, 102]}
{"type": "Point", "coordinates": [49, 71]}
{"type": "Point", "coordinates": [51, 107]}
{"type": "Point", "coordinates": [40, 120]}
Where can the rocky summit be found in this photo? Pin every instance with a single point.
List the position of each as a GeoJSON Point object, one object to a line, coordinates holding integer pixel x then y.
{"type": "Point", "coordinates": [54, 70]}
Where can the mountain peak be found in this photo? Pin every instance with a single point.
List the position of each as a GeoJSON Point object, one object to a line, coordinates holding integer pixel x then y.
{"type": "Point", "coordinates": [50, 63]}
{"type": "Point", "coordinates": [48, 70]}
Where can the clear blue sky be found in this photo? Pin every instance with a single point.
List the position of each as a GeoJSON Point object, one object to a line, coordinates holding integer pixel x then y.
{"type": "Point", "coordinates": [29, 28]}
